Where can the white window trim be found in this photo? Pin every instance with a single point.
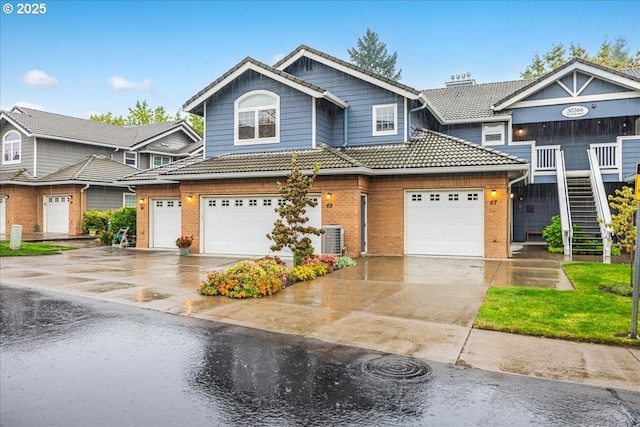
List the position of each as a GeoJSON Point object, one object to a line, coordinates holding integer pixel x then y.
{"type": "Point", "coordinates": [502, 140]}
{"type": "Point", "coordinates": [256, 140]}
{"type": "Point", "coordinates": [135, 158]}
{"type": "Point", "coordinates": [124, 199]}
{"type": "Point", "coordinates": [153, 160]}
{"type": "Point", "coordinates": [374, 116]}
{"type": "Point", "coordinates": [4, 142]}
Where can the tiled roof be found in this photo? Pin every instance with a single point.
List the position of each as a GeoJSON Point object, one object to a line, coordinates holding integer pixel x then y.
{"type": "Point", "coordinates": [94, 168]}
{"type": "Point", "coordinates": [60, 126]}
{"type": "Point", "coordinates": [470, 102]}
{"type": "Point", "coordinates": [20, 175]}
{"type": "Point", "coordinates": [267, 161]}
{"type": "Point", "coordinates": [346, 64]}
{"type": "Point", "coordinates": [428, 149]}
{"type": "Point", "coordinates": [175, 151]}
{"type": "Point", "coordinates": [633, 72]}
{"type": "Point", "coordinates": [153, 173]}
{"type": "Point", "coordinates": [259, 64]}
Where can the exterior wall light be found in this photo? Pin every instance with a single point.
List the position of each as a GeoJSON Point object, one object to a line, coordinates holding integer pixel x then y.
{"type": "Point", "coordinates": [329, 196]}
{"type": "Point", "coordinates": [141, 200]}
{"type": "Point", "coordinates": [189, 198]}
{"type": "Point", "coordinates": [493, 193]}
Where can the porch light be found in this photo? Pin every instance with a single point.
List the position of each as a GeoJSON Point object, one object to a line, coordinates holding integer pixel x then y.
{"type": "Point", "coordinates": [189, 198]}
{"type": "Point", "coordinates": [511, 196]}
{"type": "Point", "coordinates": [142, 200]}
{"type": "Point", "coordinates": [329, 196]}
{"type": "Point", "coordinates": [520, 131]}
{"type": "Point", "coordinates": [493, 193]}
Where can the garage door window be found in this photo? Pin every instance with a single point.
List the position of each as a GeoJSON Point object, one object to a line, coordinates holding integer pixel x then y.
{"type": "Point", "coordinates": [453, 197]}
{"type": "Point", "coordinates": [434, 197]}
{"type": "Point", "coordinates": [472, 196]}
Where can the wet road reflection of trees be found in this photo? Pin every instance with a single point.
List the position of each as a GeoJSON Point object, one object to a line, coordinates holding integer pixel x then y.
{"type": "Point", "coordinates": [69, 361]}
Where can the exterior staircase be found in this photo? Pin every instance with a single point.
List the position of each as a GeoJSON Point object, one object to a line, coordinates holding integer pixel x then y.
{"type": "Point", "coordinates": [587, 237]}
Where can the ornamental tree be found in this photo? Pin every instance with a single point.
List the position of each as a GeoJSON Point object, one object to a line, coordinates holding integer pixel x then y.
{"type": "Point", "coordinates": [371, 54]}
{"type": "Point", "coordinates": [291, 230]}
{"type": "Point", "coordinates": [623, 224]}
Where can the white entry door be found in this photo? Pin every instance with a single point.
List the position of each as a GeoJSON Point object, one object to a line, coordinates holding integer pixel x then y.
{"type": "Point", "coordinates": [238, 225]}
{"type": "Point", "coordinates": [166, 222]}
{"type": "Point", "coordinates": [3, 215]}
{"type": "Point", "coordinates": [447, 222]}
{"type": "Point", "coordinates": [56, 214]}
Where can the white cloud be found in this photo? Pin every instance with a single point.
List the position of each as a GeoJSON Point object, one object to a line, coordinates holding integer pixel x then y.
{"type": "Point", "coordinates": [39, 79]}
{"type": "Point", "coordinates": [119, 83]}
{"type": "Point", "coordinates": [276, 58]}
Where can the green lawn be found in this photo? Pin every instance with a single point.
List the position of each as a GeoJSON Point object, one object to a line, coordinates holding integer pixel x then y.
{"type": "Point", "coordinates": [586, 314]}
{"type": "Point", "coordinates": [32, 249]}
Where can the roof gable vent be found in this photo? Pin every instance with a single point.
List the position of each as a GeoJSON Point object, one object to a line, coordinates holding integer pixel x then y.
{"type": "Point", "coordinates": [460, 80]}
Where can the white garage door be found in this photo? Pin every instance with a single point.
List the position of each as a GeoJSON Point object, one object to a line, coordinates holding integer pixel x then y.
{"type": "Point", "coordinates": [449, 222]}
{"type": "Point", "coordinates": [239, 225]}
{"type": "Point", "coordinates": [56, 214]}
{"type": "Point", "coordinates": [3, 215]}
{"type": "Point", "coordinates": [167, 222]}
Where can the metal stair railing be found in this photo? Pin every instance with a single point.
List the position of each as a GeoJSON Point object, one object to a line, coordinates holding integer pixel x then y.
{"type": "Point", "coordinates": [600, 197]}
{"type": "Point", "coordinates": [563, 197]}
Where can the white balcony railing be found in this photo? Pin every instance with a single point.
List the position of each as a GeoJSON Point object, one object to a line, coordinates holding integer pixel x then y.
{"type": "Point", "coordinates": [609, 156]}
{"type": "Point", "coordinates": [545, 158]}
{"type": "Point", "coordinates": [565, 210]}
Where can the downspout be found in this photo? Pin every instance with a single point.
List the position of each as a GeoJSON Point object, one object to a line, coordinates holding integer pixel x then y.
{"type": "Point", "coordinates": [346, 125]}
{"type": "Point", "coordinates": [413, 110]}
{"type": "Point", "coordinates": [522, 178]}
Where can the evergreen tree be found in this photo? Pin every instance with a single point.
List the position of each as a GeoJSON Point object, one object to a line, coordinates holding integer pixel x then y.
{"type": "Point", "coordinates": [371, 54]}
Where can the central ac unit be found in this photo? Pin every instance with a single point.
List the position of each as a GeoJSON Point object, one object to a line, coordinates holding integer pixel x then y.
{"type": "Point", "coordinates": [333, 239]}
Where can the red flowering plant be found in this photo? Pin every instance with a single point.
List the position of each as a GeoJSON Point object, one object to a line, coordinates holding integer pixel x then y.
{"type": "Point", "coordinates": [184, 241]}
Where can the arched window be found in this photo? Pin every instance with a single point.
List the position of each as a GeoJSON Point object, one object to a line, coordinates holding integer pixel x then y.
{"type": "Point", "coordinates": [11, 147]}
{"type": "Point", "coordinates": [257, 118]}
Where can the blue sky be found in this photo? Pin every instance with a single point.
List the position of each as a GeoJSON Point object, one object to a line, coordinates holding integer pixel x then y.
{"type": "Point", "coordinates": [85, 57]}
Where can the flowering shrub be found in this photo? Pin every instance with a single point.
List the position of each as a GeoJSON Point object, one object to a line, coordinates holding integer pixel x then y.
{"type": "Point", "coordinates": [329, 260]}
{"type": "Point", "coordinates": [303, 272]}
{"type": "Point", "coordinates": [275, 259]}
{"type": "Point", "coordinates": [344, 261]}
{"type": "Point", "coordinates": [184, 241]}
{"type": "Point", "coordinates": [246, 279]}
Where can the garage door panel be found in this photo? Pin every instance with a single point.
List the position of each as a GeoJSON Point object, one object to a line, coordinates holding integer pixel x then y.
{"type": "Point", "coordinates": [167, 222]}
{"type": "Point", "coordinates": [239, 225]}
{"type": "Point", "coordinates": [444, 223]}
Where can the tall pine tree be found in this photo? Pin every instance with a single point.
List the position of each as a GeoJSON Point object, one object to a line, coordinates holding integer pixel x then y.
{"type": "Point", "coordinates": [371, 54]}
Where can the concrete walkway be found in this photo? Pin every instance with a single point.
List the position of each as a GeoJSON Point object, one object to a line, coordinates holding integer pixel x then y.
{"type": "Point", "coordinates": [421, 307]}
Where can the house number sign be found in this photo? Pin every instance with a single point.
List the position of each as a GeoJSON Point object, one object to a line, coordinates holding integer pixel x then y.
{"type": "Point", "coordinates": [575, 111]}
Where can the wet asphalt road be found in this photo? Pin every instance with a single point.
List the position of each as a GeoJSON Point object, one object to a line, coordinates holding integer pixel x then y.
{"type": "Point", "coordinates": [67, 361]}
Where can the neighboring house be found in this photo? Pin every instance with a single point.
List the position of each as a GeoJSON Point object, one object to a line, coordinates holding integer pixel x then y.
{"type": "Point", "coordinates": [556, 123]}
{"type": "Point", "coordinates": [55, 167]}
{"type": "Point", "coordinates": [390, 183]}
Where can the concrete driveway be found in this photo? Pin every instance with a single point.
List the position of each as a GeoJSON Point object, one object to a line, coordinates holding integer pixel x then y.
{"type": "Point", "coordinates": [421, 307]}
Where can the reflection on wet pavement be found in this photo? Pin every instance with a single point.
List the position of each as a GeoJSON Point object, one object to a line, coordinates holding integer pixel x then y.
{"type": "Point", "coordinates": [66, 361]}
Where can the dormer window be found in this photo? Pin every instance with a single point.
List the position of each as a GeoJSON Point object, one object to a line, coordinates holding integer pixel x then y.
{"type": "Point", "coordinates": [385, 119]}
{"type": "Point", "coordinates": [493, 134]}
{"type": "Point", "coordinates": [257, 118]}
{"type": "Point", "coordinates": [11, 147]}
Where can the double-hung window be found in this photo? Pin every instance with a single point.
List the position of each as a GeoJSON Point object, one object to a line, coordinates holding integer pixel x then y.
{"type": "Point", "coordinates": [11, 147]}
{"type": "Point", "coordinates": [493, 134]}
{"type": "Point", "coordinates": [160, 160]}
{"type": "Point", "coordinates": [385, 119]}
{"type": "Point", "coordinates": [257, 118]}
{"type": "Point", "coordinates": [131, 158]}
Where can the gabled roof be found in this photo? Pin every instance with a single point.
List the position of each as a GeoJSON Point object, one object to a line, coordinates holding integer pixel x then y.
{"type": "Point", "coordinates": [187, 150]}
{"type": "Point", "coordinates": [93, 169]}
{"type": "Point", "coordinates": [625, 78]}
{"type": "Point", "coordinates": [346, 67]}
{"type": "Point", "coordinates": [193, 104]}
{"type": "Point", "coordinates": [428, 152]}
{"type": "Point", "coordinates": [57, 126]}
{"type": "Point", "coordinates": [150, 176]}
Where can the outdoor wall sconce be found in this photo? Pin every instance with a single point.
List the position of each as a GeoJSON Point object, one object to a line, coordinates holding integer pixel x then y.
{"type": "Point", "coordinates": [493, 193]}
{"type": "Point", "coordinates": [189, 198]}
{"type": "Point", "coordinates": [520, 131]}
{"type": "Point", "coordinates": [329, 196]}
{"type": "Point", "coordinates": [142, 200]}
{"type": "Point", "coordinates": [511, 196]}
{"type": "Point", "coordinates": [6, 196]}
